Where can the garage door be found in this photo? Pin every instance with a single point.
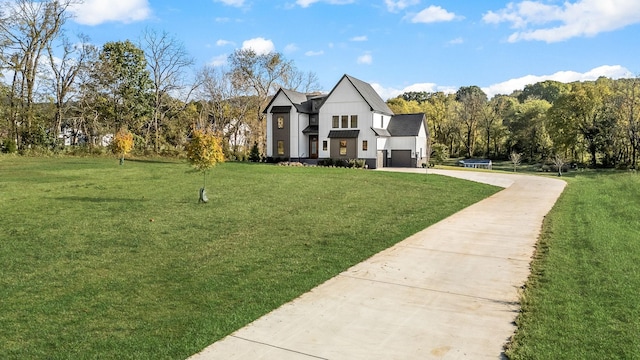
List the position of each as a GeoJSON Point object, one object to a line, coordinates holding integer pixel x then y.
{"type": "Point", "coordinates": [401, 158]}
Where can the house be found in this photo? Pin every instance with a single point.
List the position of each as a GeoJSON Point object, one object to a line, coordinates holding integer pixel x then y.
{"type": "Point", "coordinates": [351, 122]}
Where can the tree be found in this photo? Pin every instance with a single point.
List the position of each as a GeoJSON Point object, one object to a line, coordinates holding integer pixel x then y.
{"type": "Point", "coordinates": [515, 160]}
{"type": "Point", "coordinates": [122, 144]}
{"type": "Point", "coordinates": [124, 85]}
{"type": "Point", "coordinates": [204, 151]}
{"type": "Point", "coordinates": [65, 72]}
{"type": "Point", "coordinates": [259, 75]}
{"type": "Point", "coordinates": [559, 161]}
{"type": "Point", "coordinates": [548, 90]}
{"type": "Point", "coordinates": [527, 124]}
{"type": "Point", "coordinates": [582, 117]}
{"type": "Point", "coordinates": [472, 101]}
{"type": "Point", "coordinates": [167, 60]}
{"type": "Point", "coordinates": [27, 28]}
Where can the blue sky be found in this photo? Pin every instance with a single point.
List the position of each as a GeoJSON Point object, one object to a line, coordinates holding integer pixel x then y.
{"type": "Point", "coordinates": [396, 45]}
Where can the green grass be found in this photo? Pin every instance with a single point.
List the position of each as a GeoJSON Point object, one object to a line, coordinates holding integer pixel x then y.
{"type": "Point", "coordinates": [106, 261]}
{"type": "Point", "coordinates": [581, 301]}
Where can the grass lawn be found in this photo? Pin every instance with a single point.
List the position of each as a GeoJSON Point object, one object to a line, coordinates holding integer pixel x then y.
{"type": "Point", "coordinates": [581, 301]}
{"type": "Point", "coordinates": [121, 262]}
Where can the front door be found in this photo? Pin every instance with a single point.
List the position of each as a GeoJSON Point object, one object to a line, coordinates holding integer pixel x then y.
{"type": "Point", "coordinates": [313, 146]}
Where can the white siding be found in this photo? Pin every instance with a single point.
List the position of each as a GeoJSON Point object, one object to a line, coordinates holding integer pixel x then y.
{"type": "Point", "coordinates": [345, 100]}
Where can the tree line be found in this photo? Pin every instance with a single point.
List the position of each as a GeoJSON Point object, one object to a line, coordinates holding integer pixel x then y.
{"type": "Point", "coordinates": [593, 123]}
{"type": "Point", "coordinates": [54, 82]}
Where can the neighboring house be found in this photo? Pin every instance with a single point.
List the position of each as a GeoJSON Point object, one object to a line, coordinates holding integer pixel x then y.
{"type": "Point", "coordinates": [351, 122]}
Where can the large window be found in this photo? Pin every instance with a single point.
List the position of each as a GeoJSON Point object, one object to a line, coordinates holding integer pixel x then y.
{"type": "Point", "coordinates": [336, 122]}
{"type": "Point", "coordinates": [354, 121]}
{"type": "Point", "coordinates": [280, 122]}
{"type": "Point", "coordinates": [365, 145]}
{"type": "Point", "coordinates": [280, 147]}
{"type": "Point", "coordinates": [343, 147]}
{"type": "Point", "coordinates": [345, 121]}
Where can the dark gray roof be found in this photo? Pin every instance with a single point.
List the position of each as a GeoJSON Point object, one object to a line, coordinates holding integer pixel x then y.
{"type": "Point", "coordinates": [369, 95]}
{"type": "Point", "coordinates": [406, 124]}
{"type": "Point", "coordinates": [381, 132]}
{"type": "Point", "coordinates": [311, 130]}
{"type": "Point", "coordinates": [296, 98]}
{"type": "Point", "coordinates": [345, 134]}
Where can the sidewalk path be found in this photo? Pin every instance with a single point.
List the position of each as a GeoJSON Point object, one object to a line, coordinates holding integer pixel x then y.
{"type": "Point", "coordinates": [447, 292]}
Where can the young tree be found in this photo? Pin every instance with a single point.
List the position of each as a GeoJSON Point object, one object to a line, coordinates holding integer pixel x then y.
{"type": "Point", "coordinates": [204, 151]}
{"type": "Point", "coordinates": [559, 161]}
{"type": "Point", "coordinates": [515, 160]}
{"type": "Point", "coordinates": [122, 144]}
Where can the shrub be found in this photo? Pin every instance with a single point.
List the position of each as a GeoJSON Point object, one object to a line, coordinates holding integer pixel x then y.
{"type": "Point", "coordinates": [9, 146]}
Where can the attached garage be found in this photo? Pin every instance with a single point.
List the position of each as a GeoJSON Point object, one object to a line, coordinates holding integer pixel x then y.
{"type": "Point", "coordinates": [401, 158]}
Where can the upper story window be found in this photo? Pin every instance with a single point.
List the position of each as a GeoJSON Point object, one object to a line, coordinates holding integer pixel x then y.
{"type": "Point", "coordinates": [335, 122]}
{"type": "Point", "coordinates": [280, 122]}
{"type": "Point", "coordinates": [345, 121]}
{"type": "Point", "coordinates": [381, 122]}
{"type": "Point", "coordinates": [354, 121]}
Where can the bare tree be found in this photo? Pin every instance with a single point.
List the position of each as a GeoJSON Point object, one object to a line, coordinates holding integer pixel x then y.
{"type": "Point", "coordinates": [559, 161]}
{"type": "Point", "coordinates": [259, 75]}
{"type": "Point", "coordinates": [516, 159]}
{"type": "Point", "coordinates": [65, 71]}
{"type": "Point", "coordinates": [27, 28]}
{"type": "Point", "coordinates": [167, 60]}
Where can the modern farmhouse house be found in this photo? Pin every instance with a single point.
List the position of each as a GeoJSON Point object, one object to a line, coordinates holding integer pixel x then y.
{"type": "Point", "coordinates": [351, 122]}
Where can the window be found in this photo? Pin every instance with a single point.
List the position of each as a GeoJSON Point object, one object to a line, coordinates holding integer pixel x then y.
{"type": "Point", "coordinates": [381, 122]}
{"type": "Point", "coordinates": [280, 147]}
{"type": "Point", "coordinates": [365, 145]}
{"type": "Point", "coordinates": [345, 121]}
{"type": "Point", "coordinates": [280, 122]}
{"type": "Point", "coordinates": [354, 121]}
{"type": "Point", "coordinates": [324, 145]}
{"type": "Point", "coordinates": [343, 147]}
{"type": "Point", "coordinates": [336, 122]}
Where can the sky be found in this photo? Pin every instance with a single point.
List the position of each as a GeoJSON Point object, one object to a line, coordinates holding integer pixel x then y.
{"type": "Point", "coordinates": [395, 45]}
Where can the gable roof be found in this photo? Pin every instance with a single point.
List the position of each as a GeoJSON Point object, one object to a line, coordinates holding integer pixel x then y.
{"type": "Point", "coordinates": [367, 92]}
{"type": "Point", "coordinates": [302, 102]}
{"type": "Point", "coordinates": [406, 124]}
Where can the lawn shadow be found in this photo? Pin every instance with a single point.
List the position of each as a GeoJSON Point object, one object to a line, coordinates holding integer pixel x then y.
{"type": "Point", "coordinates": [98, 199]}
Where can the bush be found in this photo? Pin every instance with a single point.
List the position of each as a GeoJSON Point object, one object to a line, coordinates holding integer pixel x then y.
{"type": "Point", "coordinates": [254, 155]}
{"type": "Point", "coordinates": [9, 146]}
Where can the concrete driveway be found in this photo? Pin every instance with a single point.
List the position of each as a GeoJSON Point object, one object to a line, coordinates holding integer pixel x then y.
{"type": "Point", "coordinates": [448, 292]}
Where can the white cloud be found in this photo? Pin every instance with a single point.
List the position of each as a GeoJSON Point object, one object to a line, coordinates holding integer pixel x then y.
{"type": "Point", "coordinates": [220, 60]}
{"type": "Point", "coordinates": [359, 38]}
{"type": "Point", "coordinates": [365, 59]}
{"type": "Point", "coordinates": [222, 42]}
{"type": "Point", "coordinates": [433, 14]}
{"type": "Point", "coordinates": [395, 6]}
{"type": "Point", "coordinates": [260, 46]}
{"type": "Point", "coordinates": [290, 48]}
{"type": "Point", "coordinates": [456, 41]}
{"type": "Point", "coordinates": [235, 3]}
{"type": "Point", "coordinates": [307, 3]}
{"type": "Point", "coordinates": [95, 12]}
{"type": "Point", "coordinates": [314, 53]}
{"type": "Point", "coordinates": [535, 20]}
{"type": "Point", "coordinates": [507, 87]}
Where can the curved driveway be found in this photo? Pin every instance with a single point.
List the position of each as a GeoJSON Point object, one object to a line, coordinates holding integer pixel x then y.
{"type": "Point", "coordinates": [448, 292]}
